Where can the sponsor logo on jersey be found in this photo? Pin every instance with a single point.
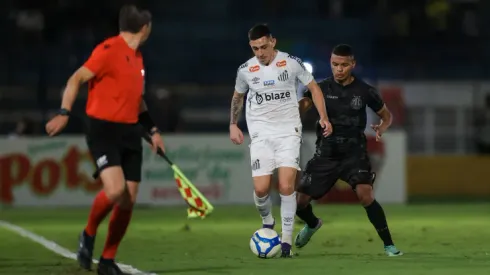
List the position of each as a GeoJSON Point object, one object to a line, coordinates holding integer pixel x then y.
{"type": "Point", "coordinates": [279, 96]}
{"type": "Point", "coordinates": [269, 83]}
{"type": "Point", "coordinates": [254, 68]}
{"type": "Point", "coordinates": [281, 63]}
{"type": "Point", "coordinates": [243, 66]}
{"type": "Point", "coordinates": [300, 62]}
{"type": "Point", "coordinates": [255, 80]}
{"type": "Point", "coordinates": [284, 76]}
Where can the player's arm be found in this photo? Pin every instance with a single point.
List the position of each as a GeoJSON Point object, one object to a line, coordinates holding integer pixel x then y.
{"type": "Point", "coordinates": [236, 107]}
{"type": "Point", "coordinates": [241, 88]}
{"type": "Point", "coordinates": [95, 65]}
{"type": "Point", "coordinates": [386, 118]}
{"type": "Point", "coordinates": [304, 102]}
{"type": "Point", "coordinates": [307, 79]}
{"type": "Point", "coordinates": [318, 99]}
{"type": "Point", "coordinates": [304, 105]}
{"type": "Point", "coordinates": [376, 103]}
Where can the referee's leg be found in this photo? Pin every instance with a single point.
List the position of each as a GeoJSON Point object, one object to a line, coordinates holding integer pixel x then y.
{"type": "Point", "coordinates": [108, 161]}
{"type": "Point", "coordinates": [123, 209]}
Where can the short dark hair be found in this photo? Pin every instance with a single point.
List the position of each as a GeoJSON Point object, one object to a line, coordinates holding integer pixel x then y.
{"type": "Point", "coordinates": [132, 19]}
{"type": "Point", "coordinates": [343, 50]}
{"type": "Point", "coordinates": [258, 31]}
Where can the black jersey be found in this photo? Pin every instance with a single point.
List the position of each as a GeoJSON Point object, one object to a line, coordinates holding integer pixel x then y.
{"type": "Point", "coordinates": [346, 109]}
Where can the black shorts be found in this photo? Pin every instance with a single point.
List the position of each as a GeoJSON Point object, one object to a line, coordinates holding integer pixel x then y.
{"type": "Point", "coordinates": [322, 172]}
{"type": "Point", "coordinates": [116, 144]}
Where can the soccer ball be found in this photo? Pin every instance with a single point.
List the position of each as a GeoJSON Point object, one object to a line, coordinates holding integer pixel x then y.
{"type": "Point", "coordinates": [265, 243]}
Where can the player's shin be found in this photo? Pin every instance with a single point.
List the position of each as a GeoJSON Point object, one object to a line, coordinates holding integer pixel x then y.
{"type": "Point", "coordinates": [305, 212]}
{"type": "Point", "coordinates": [374, 212]}
{"type": "Point", "coordinates": [288, 211]}
{"type": "Point", "coordinates": [262, 199]}
{"type": "Point", "coordinates": [377, 218]}
{"type": "Point", "coordinates": [287, 177]}
{"type": "Point", "coordinates": [264, 206]}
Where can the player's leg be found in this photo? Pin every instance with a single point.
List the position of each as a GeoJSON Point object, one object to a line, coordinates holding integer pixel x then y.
{"type": "Point", "coordinates": [122, 212]}
{"type": "Point", "coordinates": [319, 177]}
{"type": "Point", "coordinates": [262, 169]}
{"type": "Point", "coordinates": [357, 172]}
{"type": "Point", "coordinates": [286, 158]}
{"type": "Point", "coordinates": [108, 160]}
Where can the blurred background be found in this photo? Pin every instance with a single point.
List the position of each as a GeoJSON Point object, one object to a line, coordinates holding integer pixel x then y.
{"type": "Point", "coordinates": [428, 58]}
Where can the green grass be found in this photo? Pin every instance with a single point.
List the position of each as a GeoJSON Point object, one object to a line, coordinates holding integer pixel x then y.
{"type": "Point", "coordinates": [437, 239]}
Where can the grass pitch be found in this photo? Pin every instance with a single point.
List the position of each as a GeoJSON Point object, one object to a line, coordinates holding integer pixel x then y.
{"type": "Point", "coordinates": [446, 239]}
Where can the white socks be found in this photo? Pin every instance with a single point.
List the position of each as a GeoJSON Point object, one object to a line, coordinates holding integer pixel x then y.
{"type": "Point", "coordinates": [264, 205]}
{"type": "Point", "coordinates": [288, 211]}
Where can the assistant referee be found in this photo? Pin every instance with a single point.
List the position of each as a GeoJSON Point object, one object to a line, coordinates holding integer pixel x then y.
{"type": "Point", "coordinates": [115, 106]}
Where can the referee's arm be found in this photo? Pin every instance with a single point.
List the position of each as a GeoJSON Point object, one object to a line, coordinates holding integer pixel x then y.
{"type": "Point", "coordinates": [145, 120]}
{"type": "Point", "coordinates": [73, 84]}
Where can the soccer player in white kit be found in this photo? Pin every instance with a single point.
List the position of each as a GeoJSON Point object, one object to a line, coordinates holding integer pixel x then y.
{"type": "Point", "coordinates": [274, 124]}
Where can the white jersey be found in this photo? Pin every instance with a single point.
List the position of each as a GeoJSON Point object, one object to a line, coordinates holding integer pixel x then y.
{"type": "Point", "coordinates": [272, 102]}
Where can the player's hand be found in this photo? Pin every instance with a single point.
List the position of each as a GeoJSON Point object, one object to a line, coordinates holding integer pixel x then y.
{"type": "Point", "coordinates": [157, 142]}
{"type": "Point", "coordinates": [379, 131]}
{"type": "Point", "coordinates": [56, 125]}
{"type": "Point", "coordinates": [327, 127]}
{"type": "Point", "coordinates": [236, 134]}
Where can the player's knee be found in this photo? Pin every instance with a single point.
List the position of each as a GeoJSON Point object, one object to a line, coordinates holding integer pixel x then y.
{"type": "Point", "coordinates": [302, 200]}
{"type": "Point", "coordinates": [287, 180]}
{"type": "Point", "coordinates": [262, 185]}
{"type": "Point", "coordinates": [365, 194]}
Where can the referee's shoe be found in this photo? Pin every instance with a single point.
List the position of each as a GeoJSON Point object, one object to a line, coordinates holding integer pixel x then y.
{"type": "Point", "coordinates": [85, 251]}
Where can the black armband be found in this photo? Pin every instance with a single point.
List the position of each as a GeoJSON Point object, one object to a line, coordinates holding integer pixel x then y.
{"type": "Point", "coordinates": [145, 119]}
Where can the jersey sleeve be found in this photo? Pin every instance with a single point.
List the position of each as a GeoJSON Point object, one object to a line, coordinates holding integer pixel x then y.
{"type": "Point", "coordinates": [374, 100]}
{"type": "Point", "coordinates": [300, 71]}
{"type": "Point", "coordinates": [241, 84]}
{"type": "Point", "coordinates": [98, 61]}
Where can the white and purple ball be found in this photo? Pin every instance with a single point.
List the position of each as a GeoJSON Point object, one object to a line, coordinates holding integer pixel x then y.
{"type": "Point", "coordinates": [265, 243]}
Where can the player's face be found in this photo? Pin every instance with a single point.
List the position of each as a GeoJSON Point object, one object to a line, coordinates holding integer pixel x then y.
{"type": "Point", "coordinates": [342, 66]}
{"type": "Point", "coordinates": [145, 33]}
{"type": "Point", "coordinates": [263, 49]}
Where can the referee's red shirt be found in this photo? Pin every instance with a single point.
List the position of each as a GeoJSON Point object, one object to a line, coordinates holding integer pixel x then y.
{"type": "Point", "coordinates": [115, 93]}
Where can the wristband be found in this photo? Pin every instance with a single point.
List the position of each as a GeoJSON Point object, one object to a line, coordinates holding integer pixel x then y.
{"type": "Point", "coordinates": [154, 130]}
{"type": "Point", "coordinates": [145, 120]}
{"type": "Point", "coordinates": [63, 112]}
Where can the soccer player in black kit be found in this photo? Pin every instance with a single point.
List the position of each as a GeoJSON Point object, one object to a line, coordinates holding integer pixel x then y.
{"type": "Point", "coordinates": [343, 154]}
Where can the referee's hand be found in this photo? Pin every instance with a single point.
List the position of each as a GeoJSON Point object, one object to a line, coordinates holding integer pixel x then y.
{"type": "Point", "coordinates": [56, 125]}
{"type": "Point", "coordinates": [157, 142]}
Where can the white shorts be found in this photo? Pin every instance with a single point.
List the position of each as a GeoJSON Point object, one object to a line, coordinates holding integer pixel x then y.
{"type": "Point", "coordinates": [268, 154]}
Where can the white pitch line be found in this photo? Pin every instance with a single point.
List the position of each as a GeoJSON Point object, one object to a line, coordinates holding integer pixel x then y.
{"type": "Point", "coordinates": [50, 245]}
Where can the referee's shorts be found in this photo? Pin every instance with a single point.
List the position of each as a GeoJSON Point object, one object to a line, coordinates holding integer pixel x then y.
{"type": "Point", "coordinates": [116, 144]}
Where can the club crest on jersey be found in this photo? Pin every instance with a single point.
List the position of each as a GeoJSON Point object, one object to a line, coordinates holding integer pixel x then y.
{"type": "Point", "coordinates": [281, 63]}
{"type": "Point", "coordinates": [356, 102]}
{"type": "Point", "coordinates": [254, 68]}
{"type": "Point", "coordinates": [284, 76]}
{"type": "Point", "coordinates": [269, 83]}
{"type": "Point", "coordinates": [255, 80]}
